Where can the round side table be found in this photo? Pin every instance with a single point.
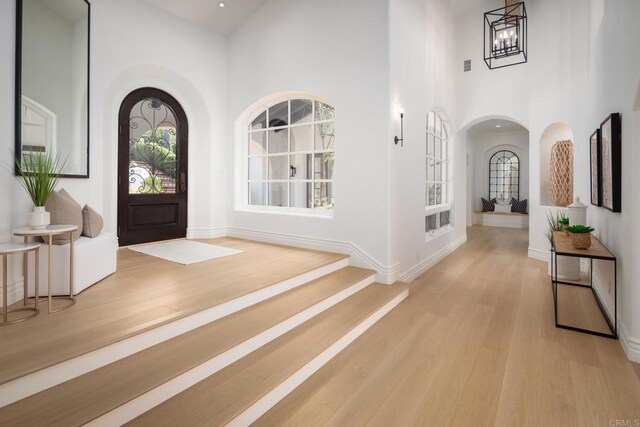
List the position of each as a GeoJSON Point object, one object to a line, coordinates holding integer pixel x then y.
{"type": "Point", "coordinates": [47, 234]}
{"type": "Point", "coordinates": [7, 249]}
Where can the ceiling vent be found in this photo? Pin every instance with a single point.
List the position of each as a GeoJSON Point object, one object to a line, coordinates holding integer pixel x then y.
{"type": "Point", "coordinates": [467, 65]}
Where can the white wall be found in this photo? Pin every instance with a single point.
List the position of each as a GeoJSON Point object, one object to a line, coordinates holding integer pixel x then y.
{"type": "Point", "coordinates": [338, 51]}
{"type": "Point", "coordinates": [551, 87]}
{"type": "Point", "coordinates": [422, 40]}
{"type": "Point", "coordinates": [614, 86]}
{"type": "Point", "coordinates": [133, 45]}
{"type": "Point", "coordinates": [580, 70]}
{"type": "Point", "coordinates": [482, 145]}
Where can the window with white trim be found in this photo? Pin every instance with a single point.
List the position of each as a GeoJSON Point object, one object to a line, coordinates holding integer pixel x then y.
{"type": "Point", "coordinates": [438, 183]}
{"type": "Point", "coordinates": [290, 156]}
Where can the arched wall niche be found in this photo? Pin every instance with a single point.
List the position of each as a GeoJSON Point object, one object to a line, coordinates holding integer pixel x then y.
{"type": "Point", "coordinates": [554, 132]}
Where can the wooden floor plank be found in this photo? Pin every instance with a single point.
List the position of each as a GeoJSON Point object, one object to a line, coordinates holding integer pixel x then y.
{"type": "Point", "coordinates": [224, 395]}
{"type": "Point", "coordinates": [84, 398]}
{"type": "Point", "coordinates": [490, 354]}
{"type": "Point", "coordinates": [146, 292]}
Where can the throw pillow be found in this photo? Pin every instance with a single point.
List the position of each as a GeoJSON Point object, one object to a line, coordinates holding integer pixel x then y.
{"type": "Point", "coordinates": [520, 207]}
{"type": "Point", "coordinates": [92, 222]}
{"type": "Point", "coordinates": [64, 210]}
{"type": "Point", "coordinates": [502, 202]}
{"type": "Point", "coordinates": [487, 205]}
{"type": "Point", "coordinates": [503, 208]}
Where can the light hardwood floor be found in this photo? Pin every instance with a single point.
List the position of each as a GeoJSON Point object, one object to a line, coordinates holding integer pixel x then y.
{"type": "Point", "coordinates": [146, 292]}
{"type": "Point", "coordinates": [474, 344]}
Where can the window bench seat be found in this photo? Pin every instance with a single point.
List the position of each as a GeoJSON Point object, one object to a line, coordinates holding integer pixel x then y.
{"type": "Point", "coordinates": [501, 219]}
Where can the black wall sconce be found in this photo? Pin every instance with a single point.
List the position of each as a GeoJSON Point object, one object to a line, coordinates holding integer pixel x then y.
{"type": "Point", "coordinates": [292, 171]}
{"type": "Point", "coordinates": [401, 139]}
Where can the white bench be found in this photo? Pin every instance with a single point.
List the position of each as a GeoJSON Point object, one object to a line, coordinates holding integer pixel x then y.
{"type": "Point", "coordinates": [94, 259]}
{"type": "Point", "coordinates": [501, 219]}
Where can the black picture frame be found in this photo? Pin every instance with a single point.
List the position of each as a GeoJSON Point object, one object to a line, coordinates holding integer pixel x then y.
{"type": "Point", "coordinates": [611, 162]}
{"type": "Point", "coordinates": [595, 168]}
{"type": "Point", "coordinates": [18, 90]}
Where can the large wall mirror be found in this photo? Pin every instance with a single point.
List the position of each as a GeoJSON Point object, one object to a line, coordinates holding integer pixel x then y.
{"type": "Point", "coordinates": [52, 81]}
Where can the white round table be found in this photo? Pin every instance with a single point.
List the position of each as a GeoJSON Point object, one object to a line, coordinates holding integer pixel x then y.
{"type": "Point", "coordinates": [49, 232]}
{"type": "Point", "coordinates": [7, 249]}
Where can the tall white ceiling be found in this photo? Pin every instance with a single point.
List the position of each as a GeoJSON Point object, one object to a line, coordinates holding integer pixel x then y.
{"type": "Point", "coordinates": [222, 20]}
{"type": "Point", "coordinates": [495, 126]}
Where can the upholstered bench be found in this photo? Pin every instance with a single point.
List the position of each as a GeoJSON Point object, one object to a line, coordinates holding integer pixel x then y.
{"type": "Point", "coordinates": [94, 259]}
{"type": "Point", "coordinates": [501, 219]}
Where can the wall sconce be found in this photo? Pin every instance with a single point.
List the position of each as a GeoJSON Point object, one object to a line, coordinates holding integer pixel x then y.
{"type": "Point", "coordinates": [292, 171]}
{"type": "Point", "coordinates": [401, 139]}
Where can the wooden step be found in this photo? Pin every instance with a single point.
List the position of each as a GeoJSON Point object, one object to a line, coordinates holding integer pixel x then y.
{"type": "Point", "coordinates": [219, 343]}
{"type": "Point", "coordinates": [147, 301]}
{"type": "Point", "coordinates": [243, 391]}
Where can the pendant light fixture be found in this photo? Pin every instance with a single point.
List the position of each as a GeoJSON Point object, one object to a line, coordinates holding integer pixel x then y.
{"type": "Point", "coordinates": [505, 35]}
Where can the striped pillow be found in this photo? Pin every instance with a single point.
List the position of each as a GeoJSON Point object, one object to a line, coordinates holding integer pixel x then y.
{"type": "Point", "coordinates": [487, 205]}
{"type": "Point", "coordinates": [520, 207]}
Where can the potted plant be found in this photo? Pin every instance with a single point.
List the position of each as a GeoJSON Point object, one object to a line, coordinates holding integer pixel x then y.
{"type": "Point", "coordinates": [568, 268]}
{"type": "Point", "coordinates": [39, 176]}
{"type": "Point", "coordinates": [564, 223]}
{"type": "Point", "coordinates": [580, 236]}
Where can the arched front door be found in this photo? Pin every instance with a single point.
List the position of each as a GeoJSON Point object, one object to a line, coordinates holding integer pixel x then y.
{"type": "Point", "coordinates": [152, 168]}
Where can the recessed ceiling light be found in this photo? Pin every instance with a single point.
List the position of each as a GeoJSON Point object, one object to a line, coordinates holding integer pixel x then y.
{"type": "Point", "coordinates": [222, 4]}
{"type": "Point", "coordinates": [498, 126]}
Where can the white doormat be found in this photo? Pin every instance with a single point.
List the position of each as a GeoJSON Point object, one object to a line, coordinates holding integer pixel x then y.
{"type": "Point", "coordinates": [185, 251]}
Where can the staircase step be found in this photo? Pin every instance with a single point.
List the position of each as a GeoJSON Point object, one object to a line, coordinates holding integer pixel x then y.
{"type": "Point", "coordinates": [81, 339]}
{"type": "Point", "coordinates": [242, 392]}
{"type": "Point", "coordinates": [217, 344]}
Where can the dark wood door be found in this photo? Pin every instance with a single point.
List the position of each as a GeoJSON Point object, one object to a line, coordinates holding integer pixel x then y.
{"type": "Point", "coordinates": [152, 168]}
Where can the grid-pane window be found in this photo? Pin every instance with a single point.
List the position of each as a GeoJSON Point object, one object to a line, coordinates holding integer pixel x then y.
{"type": "Point", "coordinates": [291, 155]}
{"type": "Point", "coordinates": [438, 172]}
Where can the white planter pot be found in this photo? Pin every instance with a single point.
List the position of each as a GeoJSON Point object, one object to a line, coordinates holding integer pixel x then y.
{"type": "Point", "coordinates": [39, 219]}
{"type": "Point", "coordinates": [568, 267]}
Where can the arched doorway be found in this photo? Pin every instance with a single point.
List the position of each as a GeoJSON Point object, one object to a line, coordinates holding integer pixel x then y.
{"type": "Point", "coordinates": [152, 167]}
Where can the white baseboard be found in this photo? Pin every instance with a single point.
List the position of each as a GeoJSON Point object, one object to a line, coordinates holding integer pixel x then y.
{"type": "Point", "coordinates": [432, 260]}
{"type": "Point", "coordinates": [206, 233]}
{"type": "Point", "coordinates": [359, 258]}
{"type": "Point", "coordinates": [630, 345]}
{"type": "Point", "coordinates": [538, 254]}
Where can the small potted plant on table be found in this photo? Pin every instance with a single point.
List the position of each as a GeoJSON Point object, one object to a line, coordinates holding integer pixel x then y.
{"type": "Point", "coordinates": [564, 223]}
{"type": "Point", "coordinates": [580, 236]}
{"type": "Point", "coordinates": [39, 175]}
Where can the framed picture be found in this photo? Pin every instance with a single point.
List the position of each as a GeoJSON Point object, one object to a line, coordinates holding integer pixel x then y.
{"type": "Point", "coordinates": [611, 161]}
{"type": "Point", "coordinates": [596, 169]}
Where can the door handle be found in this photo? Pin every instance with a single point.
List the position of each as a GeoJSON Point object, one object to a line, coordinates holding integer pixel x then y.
{"type": "Point", "coordinates": [183, 182]}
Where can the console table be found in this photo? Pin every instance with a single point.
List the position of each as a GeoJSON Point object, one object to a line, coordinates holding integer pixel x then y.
{"type": "Point", "coordinates": [561, 246]}
{"type": "Point", "coordinates": [48, 233]}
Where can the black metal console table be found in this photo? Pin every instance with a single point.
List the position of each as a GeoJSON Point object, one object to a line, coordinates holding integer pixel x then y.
{"type": "Point", "coordinates": [561, 246]}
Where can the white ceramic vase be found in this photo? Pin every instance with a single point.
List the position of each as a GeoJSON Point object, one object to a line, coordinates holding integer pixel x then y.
{"type": "Point", "coordinates": [39, 219]}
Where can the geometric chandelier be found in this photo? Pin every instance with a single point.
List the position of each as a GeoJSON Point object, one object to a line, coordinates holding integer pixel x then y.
{"type": "Point", "coordinates": [505, 35]}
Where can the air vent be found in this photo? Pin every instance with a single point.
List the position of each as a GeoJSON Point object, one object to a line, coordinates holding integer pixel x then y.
{"type": "Point", "coordinates": [467, 65]}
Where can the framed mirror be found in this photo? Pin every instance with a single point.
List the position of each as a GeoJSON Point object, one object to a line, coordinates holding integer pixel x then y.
{"type": "Point", "coordinates": [52, 81]}
{"type": "Point", "coordinates": [504, 175]}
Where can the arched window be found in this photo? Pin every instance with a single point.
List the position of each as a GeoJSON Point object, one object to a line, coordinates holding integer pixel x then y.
{"type": "Point", "coordinates": [438, 172]}
{"type": "Point", "coordinates": [504, 175]}
{"type": "Point", "coordinates": [289, 148]}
